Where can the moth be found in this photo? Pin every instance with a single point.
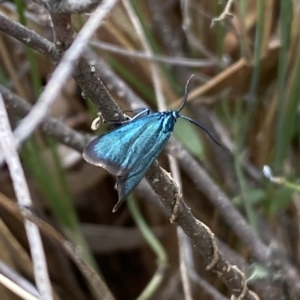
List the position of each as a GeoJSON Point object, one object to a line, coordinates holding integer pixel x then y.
{"type": "Point", "coordinates": [128, 151]}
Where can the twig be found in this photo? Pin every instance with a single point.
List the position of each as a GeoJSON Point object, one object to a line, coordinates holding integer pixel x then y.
{"type": "Point", "coordinates": [116, 84]}
{"type": "Point", "coordinates": [85, 73]}
{"type": "Point", "coordinates": [180, 61]}
{"type": "Point", "coordinates": [51, 92]}
{"type": "Point", "coordinates": [226, 14]}
{"type": "Point", "coordinates": [230, 214]}
{"type": "Point", "coordinates": [22, 192]}
{"type": "Point", "coordinates": [200, 235]}
{"type": "Point", "coordinates": [69, 6]}
{"type": "Point", "coordinates": [28, 37]}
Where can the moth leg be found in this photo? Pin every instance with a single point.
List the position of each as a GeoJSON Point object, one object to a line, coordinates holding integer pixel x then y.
{"type": "Point", "coordinates": [138, 110]}
{"type": "Point", "coordinates": [141, 112]}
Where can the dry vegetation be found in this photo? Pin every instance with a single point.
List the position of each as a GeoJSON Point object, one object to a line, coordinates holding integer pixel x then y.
{"type": "Point", "coordinates": [64, 62]}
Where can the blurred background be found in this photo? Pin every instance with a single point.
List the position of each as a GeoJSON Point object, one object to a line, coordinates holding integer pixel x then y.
{"type": "Point", "coordinates": [246, 93]}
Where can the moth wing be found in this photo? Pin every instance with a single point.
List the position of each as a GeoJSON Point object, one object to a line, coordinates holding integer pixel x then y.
{"type": "Point", "coordinates": [125, 184]}
{"type": "Point", "coordinates": [146, 153]}
{"type": "Point", "coordinates": [147, 139]}
{"type": "Point", "coordinates": [128, 151]}
{"type": "Point", "coordinates": [104, 152]}
{"type": "Point", "coordinates": [115, 150]}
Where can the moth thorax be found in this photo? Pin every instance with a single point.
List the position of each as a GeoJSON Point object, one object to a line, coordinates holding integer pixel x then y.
{"type": "Point", "coordinates": [169, 119]}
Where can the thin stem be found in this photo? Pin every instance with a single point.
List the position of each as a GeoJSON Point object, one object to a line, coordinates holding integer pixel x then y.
{"type": "Point", "coordinates": [180, 61]}
{"type": "Point", "coordinates": [155, 245]}
{"type": "Point", "coordinates": [10, 153]}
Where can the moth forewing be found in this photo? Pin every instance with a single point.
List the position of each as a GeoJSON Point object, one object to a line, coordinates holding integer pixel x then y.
{"type": "Point", "coordinates": [94, 156]}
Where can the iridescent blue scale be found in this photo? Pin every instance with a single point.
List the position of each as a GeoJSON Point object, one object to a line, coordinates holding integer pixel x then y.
{"type": "Point", "coordinates": [128, 151]}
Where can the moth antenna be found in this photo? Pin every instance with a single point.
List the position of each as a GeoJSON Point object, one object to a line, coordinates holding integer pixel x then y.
{"type": "Point", "coordinates": [203, 128]}
{"type": "Point", "coordinates": [186, 93]}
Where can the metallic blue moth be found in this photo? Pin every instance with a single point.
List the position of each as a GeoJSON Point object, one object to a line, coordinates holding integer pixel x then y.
{"type": "Point", "coordinates": [128, 151]}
